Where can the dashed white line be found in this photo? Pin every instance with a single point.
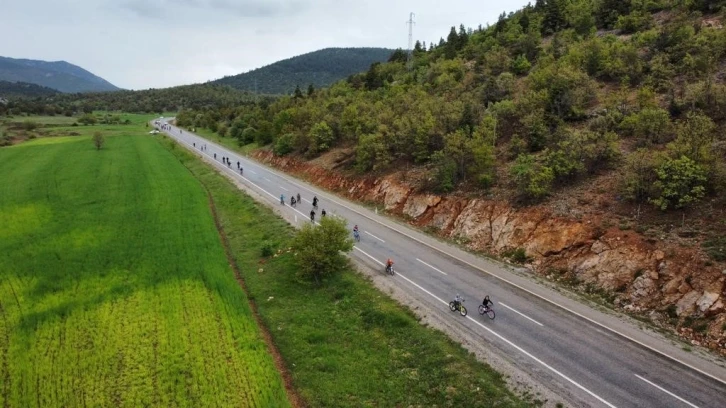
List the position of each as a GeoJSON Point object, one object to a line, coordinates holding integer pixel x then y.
{"type": "Point", "coordinates": [307, 201]}
{"type": "Point", "coordinates": [267, 179]}
{"type": "Point", "coordinates": [521, 314]}
{"type": "Point", "coordinates": [432, 267]}
{"type": "Point", "coordinates": [374, 236]}
{"type": "Point", "coordinates": [251, 171]}
{"type": "Point", "coordinates": [667, 392]}
{"type": "Point", "coordinates": [283, 188]}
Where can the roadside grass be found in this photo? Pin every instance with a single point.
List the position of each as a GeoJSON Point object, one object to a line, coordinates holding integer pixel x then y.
{"type": "Point", "coordinates": [346, 344]}
{"type": "Point", "coordinates": [114, 286]}
{"type": "Point", "coordinates": [227, 142]}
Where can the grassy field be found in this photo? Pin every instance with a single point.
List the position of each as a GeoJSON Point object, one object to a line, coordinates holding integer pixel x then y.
{"type": "Point", "coordinates": [114, 286]}
{"type": "Point", "coordinates": [227, 142]}
{"type": "Point", "coordinates": [346, 344]}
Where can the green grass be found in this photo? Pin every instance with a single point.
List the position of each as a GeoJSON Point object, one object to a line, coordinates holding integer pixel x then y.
{"type": "Point", "coordinates": [346, 344]}
{"type": "Point", "coordinates": [114, 287]}
{"type": "Point", "coordinates": [227, 142]}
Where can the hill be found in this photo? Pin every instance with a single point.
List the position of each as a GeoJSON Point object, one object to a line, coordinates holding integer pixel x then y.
{"type": "Point", "coordinates": [320, 68]}
{"type": "Point", "coordinates": [59, 75]}
{"type": "Point", "coordinates": [599, 124]}
{"type": "Point", "coordinates": [24, 89]}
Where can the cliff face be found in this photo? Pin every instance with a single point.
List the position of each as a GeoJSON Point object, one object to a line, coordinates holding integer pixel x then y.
{"type": "Point", "coordinates": [674, 286]}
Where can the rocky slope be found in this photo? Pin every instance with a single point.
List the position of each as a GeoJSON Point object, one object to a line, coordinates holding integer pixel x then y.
{"type": "Point", "coordinates": [673, 286]}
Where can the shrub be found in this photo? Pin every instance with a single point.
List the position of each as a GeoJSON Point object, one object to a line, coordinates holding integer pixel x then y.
{"type": "Point", "coordinates": [320, 248]}
{"type": "Point", "coordinates": [680, 183]}
{"type": "Point", "coordinates": [650, 125]}
{"type": "Point", "coordinates": [532, 179]}
{"type": "Point", "coordinates": [30, 125]}
{"type": "Point", "coordinates": [639, 176]}
{"type": "Point", "coordinates": [267, 250]}
{"type": "Point", "coordinates": [283, 145]}
{"type": "Point", "coordinates": [321, 136]}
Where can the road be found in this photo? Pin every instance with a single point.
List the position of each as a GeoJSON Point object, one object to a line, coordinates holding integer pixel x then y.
{"type": "Point", "coordinates": [593, 358]}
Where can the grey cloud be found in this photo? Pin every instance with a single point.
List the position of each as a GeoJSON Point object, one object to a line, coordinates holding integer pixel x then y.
{"type": "Point", "coordinates": [240, 8]}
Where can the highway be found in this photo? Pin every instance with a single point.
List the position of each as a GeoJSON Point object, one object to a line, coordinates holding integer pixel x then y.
{"type": "Point", "coordinates": [588, 357]}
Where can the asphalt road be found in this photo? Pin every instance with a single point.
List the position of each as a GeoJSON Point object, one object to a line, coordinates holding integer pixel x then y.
{"type": "Point", "coordinates": [593, 358]}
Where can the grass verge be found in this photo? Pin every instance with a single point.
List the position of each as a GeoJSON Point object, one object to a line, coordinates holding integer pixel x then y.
{"type": "Point", "coordinates": [346, 344]}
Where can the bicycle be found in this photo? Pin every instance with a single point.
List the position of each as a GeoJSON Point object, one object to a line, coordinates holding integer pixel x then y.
{"type": "Point", "coordinates": [486, 310]}
{"type": "Point", "coordinates": [458, 306]}
{"type": "Point", "coordinates": [389, 270]}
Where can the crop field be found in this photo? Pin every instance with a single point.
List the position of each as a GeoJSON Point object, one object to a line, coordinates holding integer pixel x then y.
{"type": "Point", "coordinates": [114, 286]}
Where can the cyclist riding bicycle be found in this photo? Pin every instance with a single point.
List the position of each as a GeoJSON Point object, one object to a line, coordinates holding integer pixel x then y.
{"type": "Point", "coordinates": [282, 199]}
{"type": "Point", "coordinates": [355, 229]}
{"type": "Point", "coordinates": [486, 302]}
{"type": "Point", "coordinates": [323, 213]}
{"type": "Point", "coordinates": [292, 201]}
{"type": "Point", "coordinates": [298, 198]}
{"type": "Point", "coordinates": [389, 264]}
{"type": "Point", "coordinates": [315, 201]}
{"type": "Point", "coordinates": [312, 215]}
{"type": "Point", "coordinates": [457, 300]}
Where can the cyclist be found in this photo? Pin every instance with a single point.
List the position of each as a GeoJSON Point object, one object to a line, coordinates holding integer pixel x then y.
{"type": "Point", "coordinates": [241, 170]}
{"type": "Point", "coordinates": [323, 213]}
{"type": "Point", "coordinates": [389, 264]}
{"type": "Point", "coordinates": [292, 201]}
{"type": "Point", "coordinates": [315, 201]}
{"type": "Point", "coordinates": [457, 301]}
{"type": "Point", "coordinates": [356, 235]}
{"type": "Point", "coordinates": [312, 215]}
{"type": "Point", "coordinates": [486, 302]}
{"type": "Point", "coordinates": [298, 198]}
{"type": "Point", "coordinates": [355, 229]}
{"type": "Point", "coordinates": [282, 199]}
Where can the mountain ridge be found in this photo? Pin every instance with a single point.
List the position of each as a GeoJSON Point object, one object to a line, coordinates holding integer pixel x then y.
{"type": "Point", "coordinates": [59, 75]}
{"type": "Point", "coordinates": [320, 68]}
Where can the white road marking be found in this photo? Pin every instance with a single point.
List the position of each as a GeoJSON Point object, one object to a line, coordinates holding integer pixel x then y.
{"type": "Point", "coordinates": [432, 267]}
{"type": "Point", "coordinates": [251, 171]}
{"type": "Point", "coordinates": [521, 314]}
{"type": "Point", "coordinates": [267, 179]}
{"type": "Point", "coordinates": [374, 236]}
{"type": "Point", "coordinates": [667, 392]}
{"type": "Point", "coordinates": [307, 201]}
{"type": "Point", "coordinates": [521, 350]}
{"type": "Point", "coordinates": [283, 188]}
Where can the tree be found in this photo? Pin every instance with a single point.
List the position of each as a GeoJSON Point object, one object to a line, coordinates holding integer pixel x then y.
{"type": "Point", "coordinates": [311, 90]}
{"type": "Point", "coordinates": [322, 137]}
{"type": "Point", "coordinates": [298, 92]}
{"type": "Point", "coordinates": [318, 248]}
{"type": "Point", "coordinates": [680, 183]}
{"type": "Point", "coordinates": [98, 140]}
{"type": "Point", "coordinates": [87, 119]}
{"type": "Point", "coordinates": [533, 180]}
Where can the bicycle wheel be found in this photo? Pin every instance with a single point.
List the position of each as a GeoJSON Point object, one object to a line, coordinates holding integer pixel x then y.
{"type": "Point", "coordinates": [452, 306]}
{"type": "Point", "coordinates": [490, 313]}
{"type": "Point", "coordinates": [482, 309]}
{"type": "Point", "coordinates": [462, 310]}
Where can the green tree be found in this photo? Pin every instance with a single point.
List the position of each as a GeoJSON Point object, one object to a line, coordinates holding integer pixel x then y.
{"type": "Point", "coordinates": [311, 90]}
{"type": "Point", "coordinates": [680, 183]}
{"type": "Point", "coordinates": [298, 93]}
{"type": "Point", "coordinates": [98, 140]}
{"type": "Point", "coordinates": [695, 139]}
{"type": "Point", "coordinates": [650, 125]}
{"type": "Point", "coordinates": [319, 249]}
{"type": "Point", "coordinates": [322, 138]}
{"type": "Point", "coordinates": [639, 176]}
{"type": "Point", "coordinates": [87, 119]}
{"type": "Point", "coordinates": [521, 65]}
{"type": "Point", "coordinates": [532, 179]}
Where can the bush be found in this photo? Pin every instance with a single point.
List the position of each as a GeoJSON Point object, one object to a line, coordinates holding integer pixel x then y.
{"type": "Point", "coordinates": [680, 183]}
{"type": "Point", "coordinates": [444, 172]}
{"type": "Point", "coordinates": [532, 179]}
{"type": "Point", "coordinates": [267, 250]}
{"type": "Point", "coordinates": [319, 248]}
{"type": "Point", "coordinates": [248, 135]}
{"type": "Point", "coordinates": [30, 125]}
{"type": "Point", "coordinates": [283, 145]}
{"type": "Point", "coordinates": [635, 22]}
{"type": "Point", "coordinates": [518, 255]}
{"type": "Point", "coordinates": [650, 125]}
{"type": "Point", "coordinates": [322, 138]}
{"type": "Point", "coordinates": [639, 176]}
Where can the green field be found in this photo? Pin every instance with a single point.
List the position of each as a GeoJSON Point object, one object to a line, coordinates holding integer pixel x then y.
{"type": "Point", "coordinates": [114, 286]}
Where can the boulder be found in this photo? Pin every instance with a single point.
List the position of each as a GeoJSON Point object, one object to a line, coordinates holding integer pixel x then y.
{"type": "Point", "coordinates": [687, 304]}
{"type": "Point", "coordinates": [706, 300]}
{"type": "Point", "coordinates": [417, 205]}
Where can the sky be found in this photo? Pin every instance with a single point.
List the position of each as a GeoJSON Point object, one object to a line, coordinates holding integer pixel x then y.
{"type": "Point", "coordinates": [140, 44]}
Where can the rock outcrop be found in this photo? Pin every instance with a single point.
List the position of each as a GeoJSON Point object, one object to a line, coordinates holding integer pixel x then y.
{"type": "Point", "coordinates": [674, 285]}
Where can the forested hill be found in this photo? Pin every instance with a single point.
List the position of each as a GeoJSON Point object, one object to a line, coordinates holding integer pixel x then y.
{"type": "Point", "coordinates": [625, 97]}
{"type": "Point", "coordinates": [320, 68]}
{"type": "Point", "coordinates": [19, 89]}
{"type": "Point", "coordinates": [200, 96]}
{"type": "Point", "coordinates": [59, 75]}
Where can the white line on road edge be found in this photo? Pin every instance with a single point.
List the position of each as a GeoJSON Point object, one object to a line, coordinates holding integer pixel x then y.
{"type": "Point", "coordinates": [432, 267]}
{"type": "Point", "coordinates": [521, 350]}
{"type": "Point", "coordinates": [374, 236]}
{"type": "Point", "coordinates": [667, 392]}
{"type": "Point", "coordinates": [521, 314]}
{"type": "Point", "coordinates": [392, 228]}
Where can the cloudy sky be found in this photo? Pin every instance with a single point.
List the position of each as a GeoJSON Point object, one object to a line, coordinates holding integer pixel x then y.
{"type": "Point", "coordinates": [138, 44]}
